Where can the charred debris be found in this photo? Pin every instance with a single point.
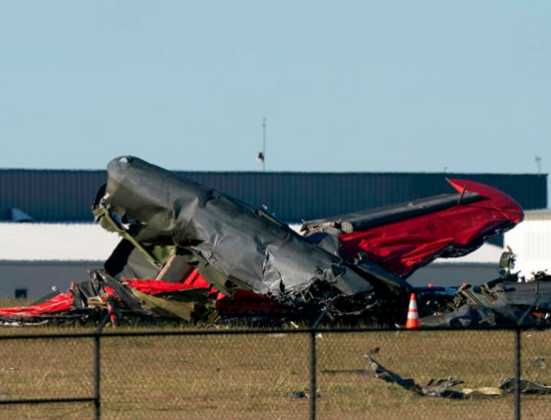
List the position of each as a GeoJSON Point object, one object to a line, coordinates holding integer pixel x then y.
{"type": "Point", "coordinates": [191, 254]}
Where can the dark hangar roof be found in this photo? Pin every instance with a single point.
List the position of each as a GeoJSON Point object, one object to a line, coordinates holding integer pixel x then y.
{"type": "Point", "coordinates": [66, 195]}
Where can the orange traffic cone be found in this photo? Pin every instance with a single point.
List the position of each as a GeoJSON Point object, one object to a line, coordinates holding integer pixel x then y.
{"type": "Point", "coordinates": [413, 315]}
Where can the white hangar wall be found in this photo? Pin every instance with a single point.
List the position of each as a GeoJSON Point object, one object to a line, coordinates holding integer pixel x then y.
{"type": "Point", "coordinates": [38, 278]}
{"type": "Point", "coordinates": [37, 256]}
{"type": "Point", "coordinates": [531, 242]}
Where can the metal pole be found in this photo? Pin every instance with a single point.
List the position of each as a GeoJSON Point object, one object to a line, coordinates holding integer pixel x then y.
{"type": "Point", "coordinates": [538, 163]}
{"type": "Point", "coordinates": [312, 375]}
{"type": "Point", "coordinates": [517, 373]}
{"type": "Point", "coordinates": [264, 144]}
{"type": "Point", "coordinates": [97, 401]}
{"type": "Point", "coordinates": [97, 394]}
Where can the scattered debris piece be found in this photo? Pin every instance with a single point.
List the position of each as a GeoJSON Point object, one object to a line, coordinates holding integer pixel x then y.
{"type": "Point", "coordinates": [9, 369]}
{"type": "Point", "coordinates": [298, 394]}
{"type": "Point", "coordinates": [485, 391]}
{"type": "Point", "coordinates": [526, 386]}
{"type": "Point", "coordinates": [539, 362]}
{"type": "Point", "coordinates": [441, 387]}
{"type": "Point", "coordinates": [435, 387]}
{"type": "Point", "coordinates": [500, 302]}
{"type": "Point", "coordinates": [303, 394]}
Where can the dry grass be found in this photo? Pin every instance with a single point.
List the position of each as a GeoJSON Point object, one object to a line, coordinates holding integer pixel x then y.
{"type": "Point", "coordinates": [10, 302]}
{"type": "Point", "coordinates": [252, 376]}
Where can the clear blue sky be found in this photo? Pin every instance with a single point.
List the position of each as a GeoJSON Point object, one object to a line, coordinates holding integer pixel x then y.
{"type": "Point", "coordinates": [345, 85]}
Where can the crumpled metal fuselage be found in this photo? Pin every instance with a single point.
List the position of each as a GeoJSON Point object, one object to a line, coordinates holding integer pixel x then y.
{"type": "Point", "coordinates": [248, 249]}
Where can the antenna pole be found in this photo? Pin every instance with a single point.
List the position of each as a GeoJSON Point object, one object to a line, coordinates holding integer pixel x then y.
{"type": "Point", "coordinates": [264, 144]}
{"type": "Point", "coordinates": [538, 163]}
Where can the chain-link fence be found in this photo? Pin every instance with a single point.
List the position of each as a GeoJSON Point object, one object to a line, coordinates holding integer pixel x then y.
{"type": "Point", "coordinates": [259, 374]}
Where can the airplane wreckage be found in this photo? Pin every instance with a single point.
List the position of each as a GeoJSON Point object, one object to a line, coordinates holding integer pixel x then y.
{"type": "Point", "coordinates": [191, 253]}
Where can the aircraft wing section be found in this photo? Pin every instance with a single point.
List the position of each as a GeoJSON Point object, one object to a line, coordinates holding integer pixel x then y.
{"type": "Point", "coordinates": [410, 239]}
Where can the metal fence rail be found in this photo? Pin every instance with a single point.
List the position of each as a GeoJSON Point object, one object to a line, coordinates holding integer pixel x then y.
{"type": "Point", "coordinates": [250, 353]}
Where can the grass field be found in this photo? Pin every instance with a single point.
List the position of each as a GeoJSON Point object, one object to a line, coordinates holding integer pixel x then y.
{"type": "Point", "coordinates": [256, 376]}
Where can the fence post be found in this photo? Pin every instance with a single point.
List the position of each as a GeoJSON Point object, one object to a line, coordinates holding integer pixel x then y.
{"type": "Point", "coordinates": [97, 394]}
{"type": "Point", "coordinates": [517, 373]}
{"type": "Point", "coordinates": [313, 375]}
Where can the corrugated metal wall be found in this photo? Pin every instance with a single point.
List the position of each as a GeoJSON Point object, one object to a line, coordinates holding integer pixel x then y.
{"type": "Point", "coordinates": [53, 195]}
{"type": "Point", "coordinates": [49, 195]}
